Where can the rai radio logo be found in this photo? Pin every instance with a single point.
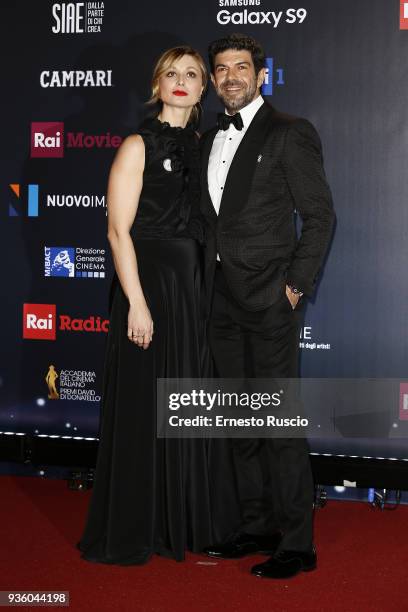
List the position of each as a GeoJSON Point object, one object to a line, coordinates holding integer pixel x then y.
{"type": "Point", "coordinates": [403, 15]}
{"type": "Point", "coordinates": [39, 321]}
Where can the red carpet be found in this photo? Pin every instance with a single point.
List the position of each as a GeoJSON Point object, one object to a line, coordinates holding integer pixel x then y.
{"type": "Point", "coordinates": [362, 556]}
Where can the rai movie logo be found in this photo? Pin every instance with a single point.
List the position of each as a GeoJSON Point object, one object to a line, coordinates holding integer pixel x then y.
{"type": "Point", "coordinates": [403, 406]}
{"type": "Point", "coordinates": [47, 139]}
{"type": "Point", "coordinates": [403, 15]}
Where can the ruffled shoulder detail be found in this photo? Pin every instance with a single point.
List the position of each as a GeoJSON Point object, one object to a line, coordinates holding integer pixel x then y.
{"type": "Point", "coordinates": [179, 148]}
{"type": "Point", "coordinates": [163, 141]}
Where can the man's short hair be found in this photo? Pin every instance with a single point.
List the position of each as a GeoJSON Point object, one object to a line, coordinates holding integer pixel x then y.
{"type": "Point", "coordinates": [240, 42]}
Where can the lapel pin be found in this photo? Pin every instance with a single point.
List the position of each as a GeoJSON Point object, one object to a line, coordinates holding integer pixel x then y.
{"type": "Point", "coordinates": [259, 158]}
{"type": "Point", "coordinates": [167, 164]}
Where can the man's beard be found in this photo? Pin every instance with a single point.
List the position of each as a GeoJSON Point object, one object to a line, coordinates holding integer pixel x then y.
{"type": "Point", "coordinates": [234, 103]}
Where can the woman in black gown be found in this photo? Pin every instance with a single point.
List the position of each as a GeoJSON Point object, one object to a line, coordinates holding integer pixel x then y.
{"type": "Point", "coordinates": [152, 495]}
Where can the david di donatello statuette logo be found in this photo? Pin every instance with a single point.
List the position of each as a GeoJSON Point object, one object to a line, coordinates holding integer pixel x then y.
{"type": "Point", "coordinates": [51, 380]}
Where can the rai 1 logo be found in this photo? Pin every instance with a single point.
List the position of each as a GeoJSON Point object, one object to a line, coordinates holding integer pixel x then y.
{"type": "Point", "coordinates": [403, 15]}
{"type": "Point", "coordinates": [273, 76]}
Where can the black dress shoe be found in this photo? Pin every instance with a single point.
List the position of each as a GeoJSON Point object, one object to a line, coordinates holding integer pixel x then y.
{"type": "Point", "coordinates": [286, 563]}
{"type": "Point", "coordinates": [241, 544]}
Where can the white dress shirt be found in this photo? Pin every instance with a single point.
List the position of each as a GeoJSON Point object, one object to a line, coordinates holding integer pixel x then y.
{"type": "Point", "coordinates": [225, 145]}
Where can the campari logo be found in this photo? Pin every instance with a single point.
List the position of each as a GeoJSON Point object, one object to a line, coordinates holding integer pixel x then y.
{"type": "Point", "coordinates": [77, 17]}
{"type": "Point", "coordinates": [48, 140]}
{"type": "Point", "coordinates": [40, 322]}
{"type": "Point", "coordinates": [76, 78]}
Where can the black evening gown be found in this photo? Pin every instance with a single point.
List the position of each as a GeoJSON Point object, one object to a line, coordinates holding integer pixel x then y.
{"type": "Point", "coordinates": [152, 495]}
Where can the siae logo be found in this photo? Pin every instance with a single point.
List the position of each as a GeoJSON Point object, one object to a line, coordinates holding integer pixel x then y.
{"type": "Point", "coordinates": [15, 206]}
{"type": "Point", "coordinates": [270, 76]}
{"type": "Point", "coordinates": [47, 140]}
{"type": "Point", "coordinates": [69, 17]}
{"type": "Point", "coordinates": [77, 17]}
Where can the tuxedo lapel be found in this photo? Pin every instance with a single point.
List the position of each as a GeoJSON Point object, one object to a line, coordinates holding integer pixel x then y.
{"type": "Point", "coordinates": [207, 207]}
{"type": "Point", "coordinates": [243, 166]}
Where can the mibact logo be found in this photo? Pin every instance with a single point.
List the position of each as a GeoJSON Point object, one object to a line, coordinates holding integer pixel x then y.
{"type": "Point", "coordinates": [78, 262]}
{"type": "Point", "coordinates": [16, 208]}
{"type": "Point", "coordinates": [39, 321]}
{"type": "Point", "coordinates": [273, 76]}
{"type": "Point", "coordinates": [47, 139]}
{"type": "Point", "coordinates": [59, 261]}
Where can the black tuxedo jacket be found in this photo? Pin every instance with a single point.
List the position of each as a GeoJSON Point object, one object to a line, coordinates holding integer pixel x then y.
{"type": "Point", "coordinates": [277, 170]}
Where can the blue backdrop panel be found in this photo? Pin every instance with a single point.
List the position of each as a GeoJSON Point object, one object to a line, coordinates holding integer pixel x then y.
{"type": "Point", "coordinates": [77, 78]}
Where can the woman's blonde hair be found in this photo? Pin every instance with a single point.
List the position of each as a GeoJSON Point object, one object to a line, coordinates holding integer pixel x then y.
{"type": "Point", "coordinates": [163, 64]}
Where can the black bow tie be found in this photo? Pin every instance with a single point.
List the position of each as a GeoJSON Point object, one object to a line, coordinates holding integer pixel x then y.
{"type": "Point", "coordinates": [224, 121]}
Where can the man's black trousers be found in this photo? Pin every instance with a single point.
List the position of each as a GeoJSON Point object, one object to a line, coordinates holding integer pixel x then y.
{"type": "Point", "coordinates": [273, 475]}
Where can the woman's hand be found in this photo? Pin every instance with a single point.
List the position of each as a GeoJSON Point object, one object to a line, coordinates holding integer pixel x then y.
{"type": "Point", "coordinates": [140, 325]}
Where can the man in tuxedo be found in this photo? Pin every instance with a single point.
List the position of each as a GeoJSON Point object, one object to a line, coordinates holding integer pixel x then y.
{"type": "Point", "coordinates": [260, 168]}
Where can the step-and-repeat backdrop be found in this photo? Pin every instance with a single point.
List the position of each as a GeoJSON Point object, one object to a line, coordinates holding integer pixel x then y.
{"type": "Point", "coordinates": [75, 81]}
